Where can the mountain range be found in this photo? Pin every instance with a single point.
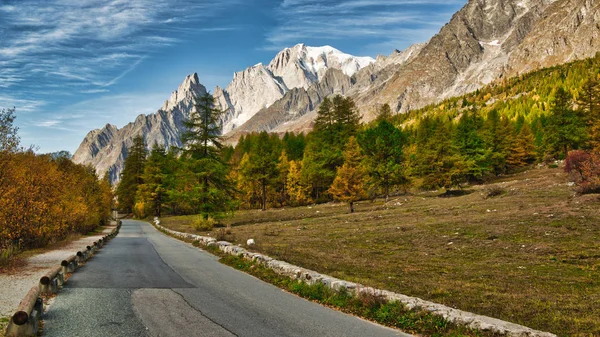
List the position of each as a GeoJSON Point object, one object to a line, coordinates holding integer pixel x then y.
{"type": "Point", "coordinates": [486, 41]}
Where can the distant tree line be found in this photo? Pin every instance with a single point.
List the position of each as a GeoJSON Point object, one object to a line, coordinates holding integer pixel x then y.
{"type": "Point", "coordinates": [504, 127]}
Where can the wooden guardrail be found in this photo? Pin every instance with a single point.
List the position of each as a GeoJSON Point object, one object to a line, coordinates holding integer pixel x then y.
{"type": "Point", "coordinates": [25, 321]}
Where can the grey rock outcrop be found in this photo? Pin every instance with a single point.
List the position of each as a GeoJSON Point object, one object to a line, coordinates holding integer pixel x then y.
{"type": "Point", "coordinates": [106, 149]}
{"type": "Point", "coordinates": [259, 86]}
{"type": "Point", "coordinates": [487, 40]}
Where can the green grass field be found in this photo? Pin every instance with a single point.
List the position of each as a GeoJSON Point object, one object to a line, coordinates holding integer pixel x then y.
{"type": "Point", "coordinates": [530, 255]}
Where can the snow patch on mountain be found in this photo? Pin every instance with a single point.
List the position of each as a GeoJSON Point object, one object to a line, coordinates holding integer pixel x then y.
{"type": "Point", "coordinates": [260, 86]}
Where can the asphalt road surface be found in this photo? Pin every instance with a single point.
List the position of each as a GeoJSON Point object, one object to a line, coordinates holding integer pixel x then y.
{"type": "Point", "coordinates": [144, 283]}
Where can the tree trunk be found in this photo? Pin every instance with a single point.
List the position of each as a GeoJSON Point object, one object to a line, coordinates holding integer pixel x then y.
{"type": "Point", "coordinates": [351, 206]}
{"type": "Point", "coordinates": [387, 192]}
{"type": "Point", "coordinates": [264, 196]}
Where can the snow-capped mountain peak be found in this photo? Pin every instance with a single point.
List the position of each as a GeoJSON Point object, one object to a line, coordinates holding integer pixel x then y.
{"type": "Point", "coordinates": [259, 86]}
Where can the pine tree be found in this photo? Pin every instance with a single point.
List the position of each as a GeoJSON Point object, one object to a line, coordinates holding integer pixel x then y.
{"type": "Point", "coordinates": [132, 175]}
{"type": "Point", "coordinates": [589, 106]}
{"type": "Point", "coordinates": [469, 144]}
{"type": "Point", "coordinates": [347, 118]}
{"type": "Point", "coordinates": [522, 149]}
{"type": "Point", "coordinates": [383, 157]}
{"type": "Point", "coordinates": [212, 191]}
{"type": "Point", "coordinates": [325, 119]}
{"type": "Point", "coordinates": [384, 113]}
{"type": "Point", "coordinates": [294, 145]}
{"type": "Point", "coordinates": [153, 193]}
{"type": "Point", "coordinates": [262, 164]}
{"type": "Point", "coordinates": [566, 127]}
{"type": "Point", "coordinates": [437, 161]}
{"type": "Point", "coordinates": [337, 120]}
{"type": "Point", "coordinates": [202, 138]}
{"type": "Point", "coordinates": [348, 185]}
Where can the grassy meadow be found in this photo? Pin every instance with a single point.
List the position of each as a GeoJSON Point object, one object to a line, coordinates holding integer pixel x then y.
{"type": "Point", "coordinates": [524, 249]}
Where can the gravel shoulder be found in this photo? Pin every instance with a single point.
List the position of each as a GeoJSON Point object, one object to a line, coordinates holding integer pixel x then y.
{"type": "Point", "coordinates": [14, 286]}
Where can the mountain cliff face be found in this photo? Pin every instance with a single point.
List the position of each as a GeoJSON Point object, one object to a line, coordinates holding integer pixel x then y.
{"type": "Point", "coordinates": [485, 41]}
{"type": "Point", "coordinates": [260, 86]}
{"type": "Point", "coordinates": [488, 40]}
{"type": "Point", "coordinates": [106, 148]}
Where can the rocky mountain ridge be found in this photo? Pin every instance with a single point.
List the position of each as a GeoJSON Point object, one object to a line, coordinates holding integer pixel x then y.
{"type": "Point", "coordinates": [106, 148]}
{"type": "Point", "coordinates": [259, 86]}
{"type": "Point", "coordinates": [486, 41]}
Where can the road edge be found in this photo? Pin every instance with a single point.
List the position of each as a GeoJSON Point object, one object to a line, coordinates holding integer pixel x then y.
{"type": "Point", "coordinates": [468, 319]}
{"type": "Point", "coordinates": [26, 319]}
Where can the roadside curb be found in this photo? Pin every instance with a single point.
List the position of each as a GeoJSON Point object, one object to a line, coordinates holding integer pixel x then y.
{"type": "Point", "coordinates": [471, 320]}
{"type": "Point", "coordinates": [25, 321]}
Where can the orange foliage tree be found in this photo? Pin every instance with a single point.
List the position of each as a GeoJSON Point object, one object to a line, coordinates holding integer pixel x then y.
{"type": "Point", "coordinates": [42, 200]}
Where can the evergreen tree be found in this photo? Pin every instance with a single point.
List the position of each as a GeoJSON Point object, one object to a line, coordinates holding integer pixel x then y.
{"type": "Point", "coordinates": [212, 191]}
{"type": "Point", "coordinates": [319, 164]}
{"type": "Point", "coordinates": [325, 119]}
{"type": "Point", "coordinates": [348, 185]}
{"type": "Point", "coordinates": [262, 164]}
{"type": "Point", "coordinates": [522, 150]}
{"type": "Point", "coordinates": [566, 127]}
{"type": "Point", "coordinates": [436, 160]}
{"type": "Point", "coordinates": [337, 120]}
{"type": "Point", "coordinates": [384, 113]}
{"type": "Point", "coordinates": [132, 175]}
{"type": "Point", "coordinates": [347, 118]}
{"type": "Point", "coordinates": [294, 145]}
{"type": "Point", "coordinates": [471, 146]}
{"type": "Point", "coordinates": [589, 106]}
{"type": "Point", "coordinates": [153, 193]}
{"type": "Point", "coordinates": [383, 157]}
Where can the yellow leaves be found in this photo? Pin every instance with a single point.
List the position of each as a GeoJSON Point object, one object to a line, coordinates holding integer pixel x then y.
{"type": "Point", "coordinates": [42, 200]}
{"type": "Point", "coordinates": [348, 185]}
{"type": "Point", "coordinates": [298, 193]}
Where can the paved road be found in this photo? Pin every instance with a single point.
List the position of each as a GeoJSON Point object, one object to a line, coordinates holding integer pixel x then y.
{"type": "Point", "coordinates": [144, 283]}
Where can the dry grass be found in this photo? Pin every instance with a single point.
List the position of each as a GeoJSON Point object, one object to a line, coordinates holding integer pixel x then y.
{"type": "Point", "coordinates": [530, 255]}
{"type": "Point", "coordinates": [15, 262]}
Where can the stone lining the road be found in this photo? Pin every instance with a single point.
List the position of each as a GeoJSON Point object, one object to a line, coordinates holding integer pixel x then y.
{"type": "Point", "coordinates": [468, 319]}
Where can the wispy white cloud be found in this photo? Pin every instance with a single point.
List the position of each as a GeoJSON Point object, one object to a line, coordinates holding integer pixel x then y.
{"type": "Point", "coordinates": [55, 53]}
{"type": "Point", "coordinates": [95, 42]}
{"type": "Point", "coordinates": [379, 24]}
{"type": "Point", "coordinates": [24, 105]}
{"type": "Point", "coordinates": [48, 123]}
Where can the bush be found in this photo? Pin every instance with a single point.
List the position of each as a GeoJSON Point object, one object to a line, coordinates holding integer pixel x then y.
{"type": "Point", "coordinates": [586, 167]}
{"type": "Point", "coordinates": [7, 253]}
{"type": "Point", "coordinates": [576, 162]}
{"type": "Point", "coordinates": [494, 191]}
{"type": "Point", "coordinates": [203, 225]}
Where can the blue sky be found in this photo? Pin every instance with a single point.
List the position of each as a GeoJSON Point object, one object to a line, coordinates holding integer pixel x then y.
{"type": "Point", "coordinates": [70, 66]}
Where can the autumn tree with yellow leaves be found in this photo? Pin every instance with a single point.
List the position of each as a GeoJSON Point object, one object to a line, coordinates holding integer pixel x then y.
{"type": "Point", "coordinates": [348, 185]}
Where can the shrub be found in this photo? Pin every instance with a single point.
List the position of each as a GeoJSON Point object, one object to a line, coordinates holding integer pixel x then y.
{"type": "Point", "coordinates": [586, 166]}
{"type": "Point", "coordinates": [203, 225]}
{"type": "Point", "coordinates": [575, 163]}
{"type": "Point", "coordinates": [494, 191]}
